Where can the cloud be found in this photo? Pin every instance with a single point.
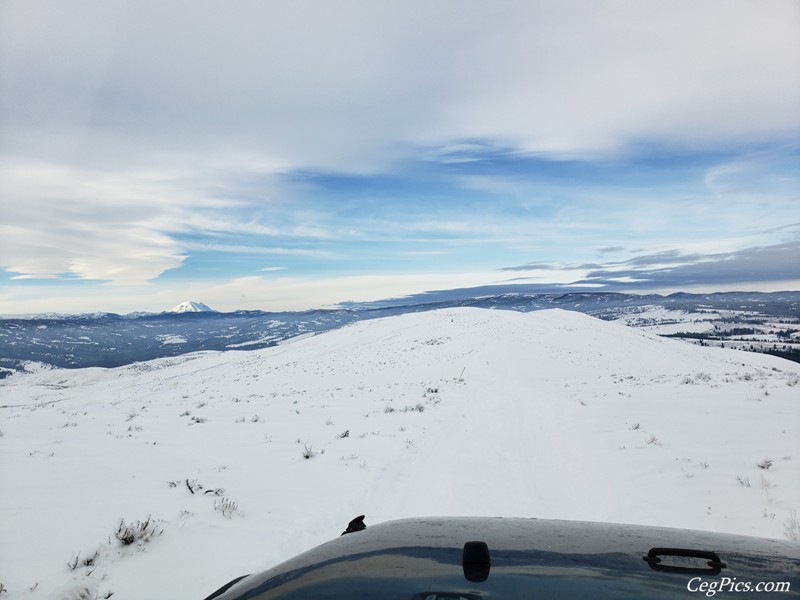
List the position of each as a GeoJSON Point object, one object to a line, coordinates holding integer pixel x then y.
{"type": "Point", "coordinates": [780, 262]}
{"type": "Point", "coordinates": [129, 226]}
{"type": "Point", "coordinates": [754, 176]}
{"type": "Point", "coordinates": [243, 249]}
{"type": "Point", "coordinates": [354, 86]}
{"type": "Point", "coordinates": [86, 225]}
{"type": "Point", "coordinates": [538, 266]}
{"type": "Point", "coordinates": [679, 270]}
{"type": "Point", "coordinates": [789, 227]}
{"type": "Point", "coordinates": [610, 249]}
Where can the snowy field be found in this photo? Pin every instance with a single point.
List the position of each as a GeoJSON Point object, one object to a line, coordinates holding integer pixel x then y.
{"type": "Point", "coordinates": [465, 411]}
{"type": "Point", "coordinates": [664, 321]}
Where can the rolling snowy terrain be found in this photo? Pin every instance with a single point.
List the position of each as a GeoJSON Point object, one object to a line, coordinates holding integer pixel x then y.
{"type": "Point", "coordinates": [746, 320]}
{"type": "Point", "coordinates": [244, 459]}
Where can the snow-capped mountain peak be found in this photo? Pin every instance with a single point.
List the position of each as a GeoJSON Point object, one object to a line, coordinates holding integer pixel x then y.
{"type": "Point", "coordinates": [192, 306]}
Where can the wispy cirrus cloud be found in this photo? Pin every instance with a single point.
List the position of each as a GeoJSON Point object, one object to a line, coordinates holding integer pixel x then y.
{"type": "Point", "coordinates": [610, 249]}
{"type": "Point", "coordinates": [254, 249]}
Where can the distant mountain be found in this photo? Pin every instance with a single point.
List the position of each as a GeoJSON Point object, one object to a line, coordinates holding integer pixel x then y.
{"type": "Point", "coordinates": [192, 306]}
{"type": "Point", "coordinates": [111, 340]}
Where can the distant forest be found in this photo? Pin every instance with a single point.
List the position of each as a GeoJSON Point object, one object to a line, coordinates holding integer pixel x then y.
{"type": "Point", "coordinates": [787, 351]}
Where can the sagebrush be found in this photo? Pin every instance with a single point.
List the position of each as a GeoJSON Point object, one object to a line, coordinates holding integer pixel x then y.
{"type": "Point", "coordinates": [141, 531]}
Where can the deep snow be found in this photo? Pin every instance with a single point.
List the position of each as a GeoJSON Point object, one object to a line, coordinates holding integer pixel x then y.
{"type": "Point", "coordinates": [461, 411]}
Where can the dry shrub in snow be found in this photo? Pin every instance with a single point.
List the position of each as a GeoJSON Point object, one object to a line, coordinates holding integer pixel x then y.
{"type": "Point", "coordinates": [308, 451]}
{"type": "Point", "coordinates": [226, 506]}
{"type": "Point", "coordinates": [82, 591]}
{"type": "Point", "coordinates": [792, 530]}
{"type": "Point", "coordinates": [765, 464]}
{"type": "Point", "coordinates": [141, 531]}
{"type": "Point", "coordinates": [89, 561]}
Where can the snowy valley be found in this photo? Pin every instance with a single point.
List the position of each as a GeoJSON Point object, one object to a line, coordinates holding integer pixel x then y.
{"type": "Point", "coordinates": [243, 459]}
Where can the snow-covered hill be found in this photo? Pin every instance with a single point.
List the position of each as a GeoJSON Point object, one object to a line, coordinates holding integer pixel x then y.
{"type": "Point", "coordinates": [460, 411]}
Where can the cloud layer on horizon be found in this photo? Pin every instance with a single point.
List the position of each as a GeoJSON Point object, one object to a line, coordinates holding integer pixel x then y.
{"type": "Point", "coordinates": [677, 270]}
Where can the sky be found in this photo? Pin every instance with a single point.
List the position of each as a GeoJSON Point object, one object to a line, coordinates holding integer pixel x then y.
{"type": "Point", "coordinates": [290, 155]}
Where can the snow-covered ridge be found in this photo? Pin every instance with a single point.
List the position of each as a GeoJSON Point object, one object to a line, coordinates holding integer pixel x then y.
{"type": "Point", "coordinates": [461, 411]}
